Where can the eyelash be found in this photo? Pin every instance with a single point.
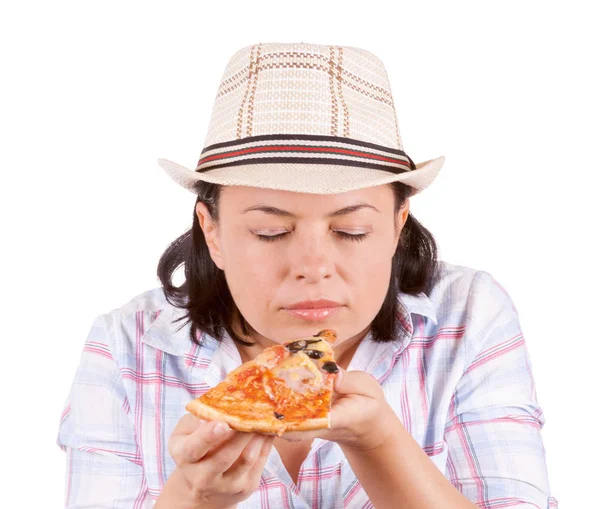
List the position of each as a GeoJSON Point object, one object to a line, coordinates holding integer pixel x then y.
{"type": "Point", "coordinates": [346, 236]}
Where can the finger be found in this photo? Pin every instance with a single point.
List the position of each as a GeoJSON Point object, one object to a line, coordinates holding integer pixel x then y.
{"type": "Point", "coordinates": [194, 447]}
{"type": "Point", "coordinates": [188, 424]}
{"type": "Point", "coordinates": [247, 458]}
{"type": "Point", "coordinates": [222, 457]}
{"type": "Point", "coordinates": [248, 474]}
{"type": "Point", "coordinates": [259, 465]}
{"type": "Point", "coordinates": [244, 481]}
{"type": "Point", "coordinates": [338, 380]}
{"type": "Point", "coordinates": [356, 382]}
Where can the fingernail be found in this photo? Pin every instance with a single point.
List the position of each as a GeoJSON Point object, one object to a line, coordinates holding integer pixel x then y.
{"type": "Point", "coordinates": [220, 428]}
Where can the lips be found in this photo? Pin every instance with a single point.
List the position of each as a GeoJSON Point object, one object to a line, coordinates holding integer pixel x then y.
{"type": "Point", "coordinates": [314, 304]}
{"type": "Point", "coordinates": [314, 310]}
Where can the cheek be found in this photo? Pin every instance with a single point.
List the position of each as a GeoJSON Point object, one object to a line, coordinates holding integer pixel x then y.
{"type": "Point", "coordinates": [372, 279]}
{"type": "Point", "coordinates": [370, 269]}
{"type": "Point", "coordinates": [248, 268]}
{"type": "Point", "coordinates": [368, 257]}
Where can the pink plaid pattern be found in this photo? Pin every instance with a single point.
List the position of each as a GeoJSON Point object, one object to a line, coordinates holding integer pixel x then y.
{"type": "Point", "coordinates": [459, 378]}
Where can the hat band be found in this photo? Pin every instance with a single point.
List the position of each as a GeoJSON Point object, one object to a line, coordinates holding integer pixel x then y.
{"type": "Point", "coordinates": [304, 149]}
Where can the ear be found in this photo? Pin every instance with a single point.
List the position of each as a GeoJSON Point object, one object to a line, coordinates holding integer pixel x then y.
{"type": "Point", "coordinates": [401, 218]}
{"type": "Point", "coordinates": [211, 234]}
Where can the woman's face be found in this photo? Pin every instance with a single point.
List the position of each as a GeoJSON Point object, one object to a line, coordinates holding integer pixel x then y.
{"type": "Point", "coordinates": [278, 248]}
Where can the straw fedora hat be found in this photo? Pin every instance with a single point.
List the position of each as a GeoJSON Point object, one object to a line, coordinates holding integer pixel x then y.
{"type": "Point", "coordinates": [304, 117]}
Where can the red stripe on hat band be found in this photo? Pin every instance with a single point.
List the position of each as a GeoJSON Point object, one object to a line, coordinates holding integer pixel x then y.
{"type": "Point", "coordinates": [288, 148]}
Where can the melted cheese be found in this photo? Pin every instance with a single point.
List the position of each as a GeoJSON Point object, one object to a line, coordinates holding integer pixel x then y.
{"type": "Point", "coordinates": [299, 372]}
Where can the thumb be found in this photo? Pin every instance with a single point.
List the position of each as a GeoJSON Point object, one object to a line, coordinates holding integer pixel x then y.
{"type": "Point", "coordinates": [354, 382]}
{"type": "Point", "coordinates": [338, 381]}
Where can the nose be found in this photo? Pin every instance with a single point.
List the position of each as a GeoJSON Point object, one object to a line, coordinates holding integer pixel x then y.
{"type": "Point", "coordinates": [311, 260]}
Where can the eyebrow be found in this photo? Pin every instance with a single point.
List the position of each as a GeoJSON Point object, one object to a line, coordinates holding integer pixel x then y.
{"type": "Point", "coordinates": [279, 212]}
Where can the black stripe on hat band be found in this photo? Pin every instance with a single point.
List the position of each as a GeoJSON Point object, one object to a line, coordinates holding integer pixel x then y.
{"type": "Point", "coordinates": [303, 137]}
{"type": "Point", "coordinates": [272, 150]}
{"type": "Point", "coordinates": [308, 160]}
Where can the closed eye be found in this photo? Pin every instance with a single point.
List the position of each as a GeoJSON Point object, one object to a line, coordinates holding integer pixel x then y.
{"type": "Point", "coordinates": [353, 237]}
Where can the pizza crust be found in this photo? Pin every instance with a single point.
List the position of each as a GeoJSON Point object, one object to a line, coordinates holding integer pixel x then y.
{"type": "Point", "coordinates": [274, 427]}
{"type": "Point", "coordinates": [309, 424]}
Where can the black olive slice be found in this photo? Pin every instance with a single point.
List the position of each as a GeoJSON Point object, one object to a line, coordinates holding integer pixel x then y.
{"type": "Point", "coordinates": [312, 341]}
{"type": "Point", "coordinates": [331, 367]}
{"type": "Point", "coordinates": [301, 344]}
{"type": "Point", "coordinates": [278, 416]}
{"type": "Point", "coordinates": [296, 346]}
{"type": "Point", "coordinates": [314, 354]}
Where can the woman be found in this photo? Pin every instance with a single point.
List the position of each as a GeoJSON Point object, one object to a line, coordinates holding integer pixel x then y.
{"type": "Point", "coordinates": [302, 222]}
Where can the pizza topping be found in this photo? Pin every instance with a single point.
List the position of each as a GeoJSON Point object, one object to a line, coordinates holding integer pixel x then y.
{"type": "Point", "coordinates": [296, 346]}
{"type": "Point", "coordinates": [314, 354]}
{"type": "Point", "coordinates": [327, 334]}
{"type": "Point", "coordinates": [272, 356]}
{"type": "Point", "coordinates": [301, 377]}
{"type": "Point", "coordinates": [331, 367]}
{"type": "Point", "coordinates": [300, 345]}
{"type": "Point", "coordinates": [278, 415]}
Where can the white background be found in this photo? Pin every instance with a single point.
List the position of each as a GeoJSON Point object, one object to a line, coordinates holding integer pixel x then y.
{"type": "Point", "coordinates": [94, 92]}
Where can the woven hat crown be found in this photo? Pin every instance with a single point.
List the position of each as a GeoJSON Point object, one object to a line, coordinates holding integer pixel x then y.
{"type": "Point", "coordinates": [293, 88]}
{"type": "Point", "coordinates": [304, 117]}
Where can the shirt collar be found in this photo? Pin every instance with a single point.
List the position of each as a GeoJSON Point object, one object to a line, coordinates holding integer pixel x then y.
{"type": "Point", "coordinates": [419, 304]}
{"type": "Point", "coordinates": [167, 334]}
{"type": "Point", "coordinates": [378, 359]}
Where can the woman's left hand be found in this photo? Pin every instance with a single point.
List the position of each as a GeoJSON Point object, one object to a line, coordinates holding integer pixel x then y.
{"type": "Point", "coordinates": [361, 418]}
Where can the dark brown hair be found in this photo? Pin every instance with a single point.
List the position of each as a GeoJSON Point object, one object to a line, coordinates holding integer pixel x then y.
{"type": "Point", "coordinates": [210, 306]}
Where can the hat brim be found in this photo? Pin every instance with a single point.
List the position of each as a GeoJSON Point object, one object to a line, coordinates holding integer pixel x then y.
{"type": "Point", "coordinates": [304, 178]}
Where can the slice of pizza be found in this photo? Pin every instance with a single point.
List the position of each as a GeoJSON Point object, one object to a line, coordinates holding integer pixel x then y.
{"type": "Point", "coordinates": [287, 387]}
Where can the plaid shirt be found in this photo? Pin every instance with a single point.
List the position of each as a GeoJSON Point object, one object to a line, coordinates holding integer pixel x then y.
{"type": "Point", "coordinates": [458, 377]}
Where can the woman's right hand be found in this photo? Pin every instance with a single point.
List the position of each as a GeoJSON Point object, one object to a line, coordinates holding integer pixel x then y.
{"type": "Point", "coordinates": [217, 467]}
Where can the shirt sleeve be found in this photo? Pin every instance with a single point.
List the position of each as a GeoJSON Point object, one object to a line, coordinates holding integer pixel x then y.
{"type": "Point", "coordinates": [103, 463]}
{"type": "Point", "coordinates": [496, 457]}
